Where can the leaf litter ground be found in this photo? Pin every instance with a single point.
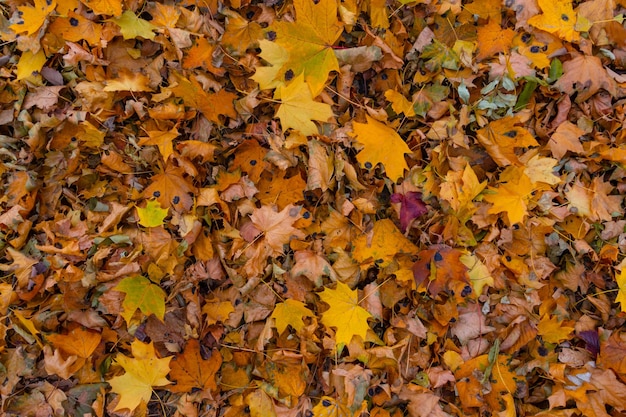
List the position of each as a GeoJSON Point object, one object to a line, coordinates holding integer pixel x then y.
{"type": "Point", "coordinates": [313, 208]}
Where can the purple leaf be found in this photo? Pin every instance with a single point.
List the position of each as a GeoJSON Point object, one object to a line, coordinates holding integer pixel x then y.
{"type": "Point", "coordinates": [592, 341]}
{"type": "Point", "coordinates": [411, 207]}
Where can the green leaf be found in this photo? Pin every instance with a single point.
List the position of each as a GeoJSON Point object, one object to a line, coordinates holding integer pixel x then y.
{"type": "Point", "coordinates": [143, 295]}
{"type": "Point", "coordinates": [152, 215]}
{"type": "Point", "coordinates": [132, 26]}
{"type": "Point", "coordinates": [556, 70]}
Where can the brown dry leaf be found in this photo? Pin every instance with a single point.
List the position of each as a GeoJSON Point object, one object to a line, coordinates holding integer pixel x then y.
{"type": "Point", "coordinates": [190, 371]}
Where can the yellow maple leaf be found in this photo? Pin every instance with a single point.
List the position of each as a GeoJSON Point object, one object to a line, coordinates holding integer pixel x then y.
{"type": "Point", "coordinates": [152, 215]}
{"type": "Point", "coordinates": [621, 292]}
{"type": "Point", "coordinates": [558, 17]}
{"type": "Point", "coordinates": [381, 144]}
{"type": "Point", "coordinates": [386, 241]}
{"type": "Point", "coordinates": [512, 196]}
{"type": "Point", "coordinates": [501, 138]}
{"type": "Point", "coordinates": [32, 17]}
{"type": "Point", "coordinates": [298, 109]}
{"type": "Point", "coordinates": [551, 330]}
{"type": "Point", "coordinates": [162, 139]}
{"type": "Point", "coordinates": [107, 7]}
{"type": "Point", "coordinates": [345, 314]}
{"type": "Point", "coordinates": [290, 313]}
{"type": "Point", "coordinates": [399, 103]}
{"type": "Point", "coordinates": [309, 42]}
{"type": "Point", "coordinates": [128, 81]}
{"type": "Point", "coordinates": [143, 372]}
{"type": "Point", "coordinates": [30, 64]}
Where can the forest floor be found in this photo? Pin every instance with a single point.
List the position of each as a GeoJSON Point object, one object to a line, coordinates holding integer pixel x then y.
{"type": "Point", "coordinates": [300, 208]}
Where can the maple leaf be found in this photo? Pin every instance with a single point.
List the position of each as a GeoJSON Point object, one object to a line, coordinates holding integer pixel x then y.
{"type": "Point", "coordinates": [551, 330]}
{"type": "Point", "coordinates": [162, 139]}
{"type": "Point", "coordinates": [512, 196]}
{"type": "Point", "coordinates": [277, 227]}
{"type": "Point", "coordinates": [383, 145]}
{"type": "Point", "coordinates": [141, 294]}
{"type": "Point", "coordinates": [492, 39]}
{"type": "Point", "coordinates": [345, 314]}
{"type": "Point", "coordinates": [290, 312]}
{"type": "Point", "coordinates": [585, 75]}
{"type": "Point", "coordinates": [191, 371]}
{"type": "Point", "coordinates": [381, 247]}
{"type": "Point", "coordinates": [298, 109]}
{"type": "Point", "coordinates": [194, 96]}
{"type": "Point", "coordinates": [152, 215]}
{"type": "Point", "coordinates": [558, 17]}
{"type": "Point", "coordinates": [308, 42]}
{"type": "Point", "coordinates": [501, 137]}
{"type": "Point", "coordinates": [171, 189]}
{"type": "Point", "coordinates": [31, 18]}
{"type": "Point", "coordinates": [144, 371]}
{"type": "Point", "coordinates": [128, 81]}
{"type": "Point", "coordinates": [133, 27]}
{"type": "Point", "coordinates": [77, 342]}
{"type": "Point", "coordinates": [106, 7]}
{"type": "Point", "coordinates": [240, 34]}
{"type": "Point", "coordinates": [621, 289]}
{"type": "Point", "coordinates": [411, 207]}
{"type": "Point", "coordinates": [30, 64]}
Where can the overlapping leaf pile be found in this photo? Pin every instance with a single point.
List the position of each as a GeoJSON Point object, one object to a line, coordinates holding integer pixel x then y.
{"type": "Point", "coordinates": [313, 208]}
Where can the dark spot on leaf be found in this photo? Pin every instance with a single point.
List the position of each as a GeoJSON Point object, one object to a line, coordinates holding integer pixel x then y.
{"type": "Point", "coordinates": [74, 21]}
{"type": "Point", "coordinates": [370, 392]}
{"type": "Point", "coordinates": [534, 49]}
{"type": "Point", "coordinates": [271, 35]}
{"type": "Point", "coordinates": [289, 75]}
{"type": "Point", "coordinates": [368, 165]}
{"type": "Point", "coordinates": [438, 257]}
{"type": "Point", "coordinates": [250, 14]}
{"type": "Point", "coordinates": [453, 320]}
{"type": "Point", "coordinates": [253, 162]}
{"type": "Point", "coordinates": [467, 290]}
{"type": "Point", "coordinates": [544, 48]}
{"type": "Point", "coordinates": [511, 133]}
{"type": "Point", "coordinates": [383, 76]}
{"type": "Point", "coordinates": [176, 199]}
{"type": "Point", "coordinates": [564, 17]}
{"type": "Point", "coordinates": [542, 351]}
{"type": "Point", "coordinates": [378, 261]}
{"type": "Point", "coordinates": [157, 194]}
{"type": "Point", "coordinates": [326, 403]}
{"type": "Point", "coordinates": [48, 2]}
{"type": "Point", "coordinates": [306, 215]}
{"type": "Point", "coordinates": [316, 1]}
{"type": "Point", "coordinates": [73, 139]}
{"type": "Point", "coordinates": [526, 37]}
{"type": "Point", "coordinates": [508, 258]}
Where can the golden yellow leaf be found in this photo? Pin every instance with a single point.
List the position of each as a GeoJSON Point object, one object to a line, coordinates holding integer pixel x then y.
{"type": "Point", "coordinates": [143, 372]}
{"type": "Point", "coordinates": [621, 285]}
{"type": "Point", "coordinates": [512, 197]}
{"type": "Point", "coordinates": [345, 314]}
{"type": "Point", "coordinates": [381, 144]}
{"type": "Point", "coordinates": [298, 109]}
{"type": "Point", "coordinates": [33, 17]}
{"type": "Point", "coordinates": [386, 241]}
{"type": "Point", "coordinates": [290, 312]}
{"type": "Point", "coordinates": [551, 330]}
{"type": "Point", "coordinates": [558, 17]}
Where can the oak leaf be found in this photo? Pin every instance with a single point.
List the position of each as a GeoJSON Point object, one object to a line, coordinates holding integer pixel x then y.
{"type": "Point", "coordinates": [143, 372]}
{"type": "Point", "coordinates": [345, 314]}
{"type": "Point", "coordinates": [190, 371]}
{"type": "Point", "coordinates": [381, 144]}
